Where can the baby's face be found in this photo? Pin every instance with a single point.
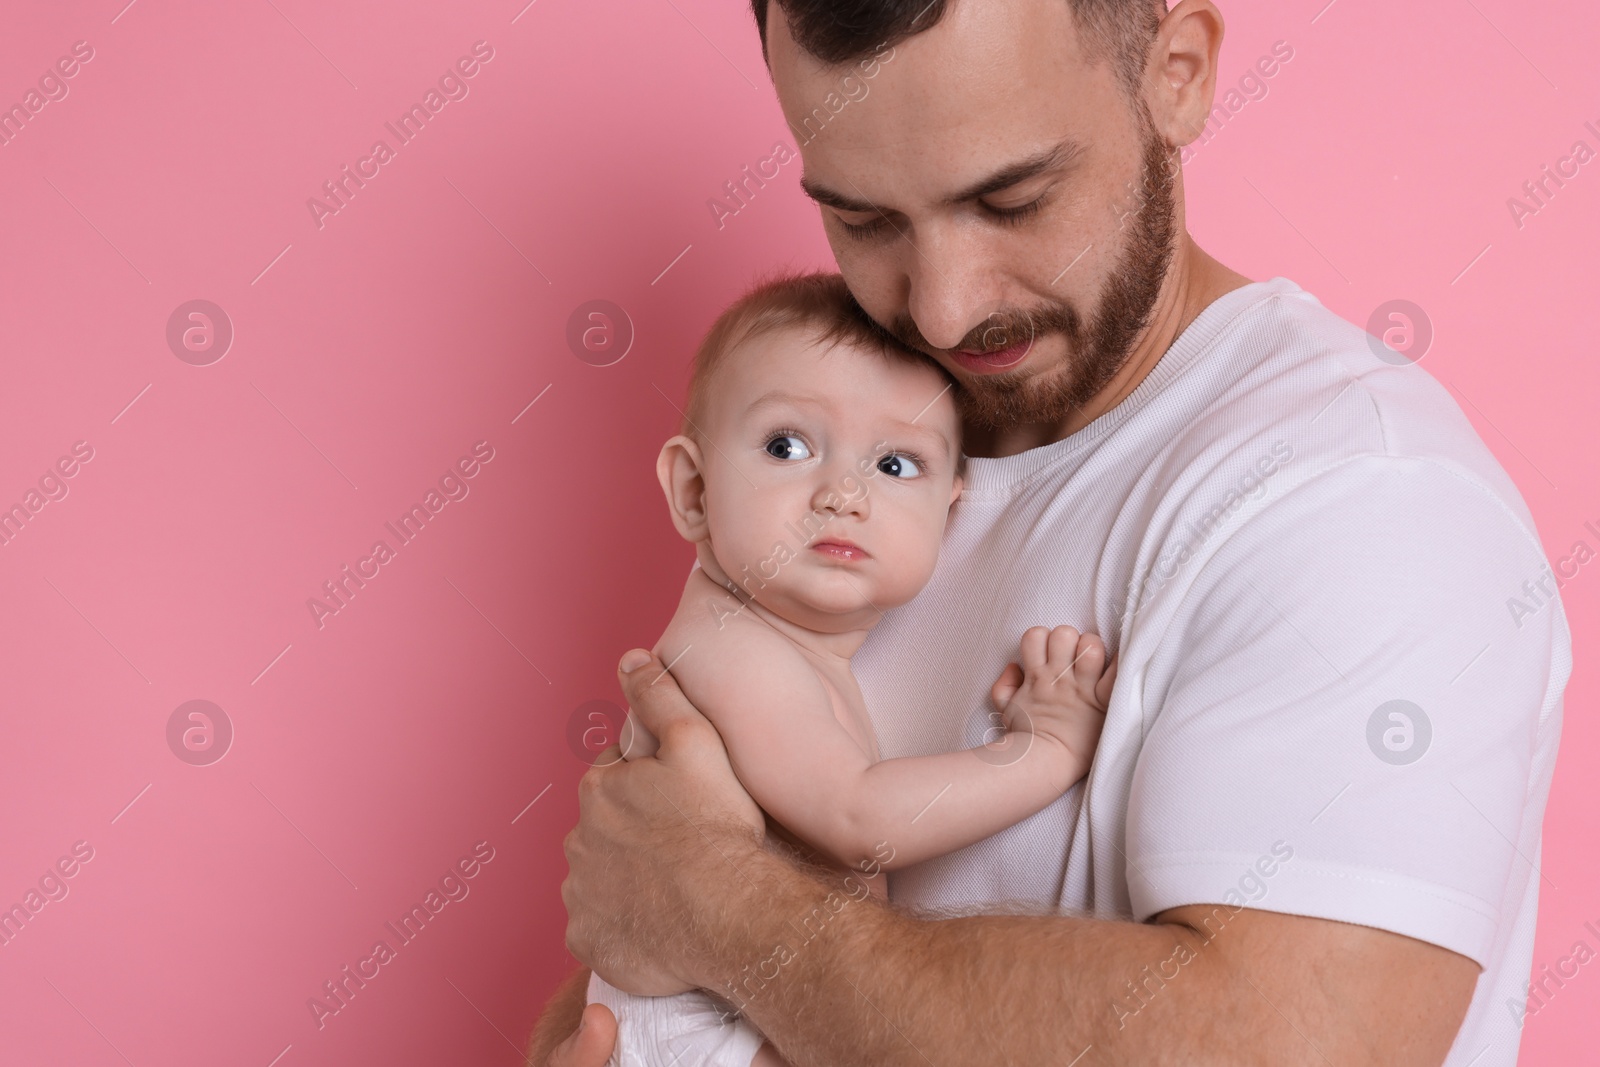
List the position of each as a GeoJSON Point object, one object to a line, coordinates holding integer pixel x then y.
{"type": "Point", "coordinates": [829, 473]}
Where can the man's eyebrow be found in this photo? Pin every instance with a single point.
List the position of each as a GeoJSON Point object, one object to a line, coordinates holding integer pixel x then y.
{"type": "Point", "coordinates": [1052, 158]}
{"type": "Point", "coordinates": [832, 198]}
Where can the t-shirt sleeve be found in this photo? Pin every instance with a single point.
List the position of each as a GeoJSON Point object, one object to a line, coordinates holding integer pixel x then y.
{"type": "Point", "coordinates": [1343, 719]}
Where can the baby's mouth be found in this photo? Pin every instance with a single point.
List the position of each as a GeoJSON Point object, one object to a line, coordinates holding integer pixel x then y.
{"type": "Point", "coordinates": [839, 548]}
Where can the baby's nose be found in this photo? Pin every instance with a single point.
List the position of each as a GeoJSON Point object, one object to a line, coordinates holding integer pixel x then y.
{"type": "Point", "coordinates": [841, 496]}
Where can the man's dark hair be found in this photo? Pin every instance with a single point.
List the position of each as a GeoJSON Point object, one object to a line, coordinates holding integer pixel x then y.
{"type": "Point", "coordinates": [837, 31]}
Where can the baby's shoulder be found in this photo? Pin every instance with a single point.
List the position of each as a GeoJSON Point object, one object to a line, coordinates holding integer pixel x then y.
{"type": "Point", "coordinates": [718, 647]}
{"type": "Point", "coordinates": [711, 616]}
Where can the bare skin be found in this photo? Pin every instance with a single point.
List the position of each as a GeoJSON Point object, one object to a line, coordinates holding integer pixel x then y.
{"type": "Point", "coordinates": [796, 728]}
{"type": "Point", "coordinates": [814, 450]}
{"type": "Point", "coordinates": [987, 86]}
{"type": "Point", "coordinates": [846, 459]}
{"type": "Point", "coordinates": [1257, 987]}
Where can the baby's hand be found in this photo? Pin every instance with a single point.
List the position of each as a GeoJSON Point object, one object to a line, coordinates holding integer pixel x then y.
{"type": "Point", "coordinates": [1060, 690]}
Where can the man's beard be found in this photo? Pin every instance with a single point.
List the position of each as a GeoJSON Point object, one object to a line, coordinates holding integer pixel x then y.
{"type": "Point", "coordinates": [1096, 350]}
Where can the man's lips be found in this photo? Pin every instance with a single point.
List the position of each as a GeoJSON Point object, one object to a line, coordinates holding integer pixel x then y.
{"type": "Point", "coordinates": [993, 362]}
{"type": "Point", "coordinates": [845, 550]}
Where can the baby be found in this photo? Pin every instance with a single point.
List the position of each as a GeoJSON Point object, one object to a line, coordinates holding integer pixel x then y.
{"type": "Point", "coordinates": [816, 468]}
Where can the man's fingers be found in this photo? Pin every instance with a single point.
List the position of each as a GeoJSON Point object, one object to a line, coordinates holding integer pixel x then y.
{"type": "Point", "coordinates": [654, 697]}
{"type": "Point", "coordinates": [635, 742]}
{"type": "Point", "coordinates": [590, 1045]}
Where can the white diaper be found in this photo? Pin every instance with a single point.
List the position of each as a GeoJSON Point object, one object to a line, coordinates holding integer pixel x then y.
{"type": "Point", "coordinates": [683, 1030]}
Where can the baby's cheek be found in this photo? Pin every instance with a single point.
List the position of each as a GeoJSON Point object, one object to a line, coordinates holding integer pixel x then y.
{"type": "Point", "coordinates": [757, 554]}
{"type": "Point", "coordinates": [738, 533]}
{"type": "Point", "coordinates": [736, 559]}
{"type": "Point", "coordinates": [916, 554]}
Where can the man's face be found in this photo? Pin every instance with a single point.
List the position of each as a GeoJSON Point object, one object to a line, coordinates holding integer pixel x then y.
{"type": "Point", "coordinates": [1031, 290]}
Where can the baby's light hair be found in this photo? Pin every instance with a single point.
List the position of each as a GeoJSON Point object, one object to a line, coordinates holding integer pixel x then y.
{"type": "Point", "coordinates": [818, 300]}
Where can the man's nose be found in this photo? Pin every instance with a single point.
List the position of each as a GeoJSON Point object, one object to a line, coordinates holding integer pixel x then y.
{"type": "Point", "coordinates": [946, 273]}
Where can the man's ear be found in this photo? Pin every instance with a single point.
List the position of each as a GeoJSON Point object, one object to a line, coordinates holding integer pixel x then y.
{"type": "Point", "coordinates": [678, 468]}
{"type": "Point", "coordinates": [1185, 57]}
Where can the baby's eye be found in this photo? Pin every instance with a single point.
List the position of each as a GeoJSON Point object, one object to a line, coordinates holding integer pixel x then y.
{"type": "Point", "coordinates": [788, 446]}
{"type": "Point", "coordinates": [899, 465]}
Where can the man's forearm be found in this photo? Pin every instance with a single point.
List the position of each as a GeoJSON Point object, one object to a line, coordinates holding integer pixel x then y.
{"type": "Point", "coordinates": [671, 887]}
{"type": "Point", "coordinates": [560, 1017]}
{"type": "Point", "coordinates": [833, 978]}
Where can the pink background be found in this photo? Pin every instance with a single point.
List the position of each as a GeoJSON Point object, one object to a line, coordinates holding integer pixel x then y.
{"type": "Point", "coordinates": [369, 354]}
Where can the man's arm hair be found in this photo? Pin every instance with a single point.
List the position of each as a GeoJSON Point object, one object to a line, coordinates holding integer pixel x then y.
{"type": "Point", "coordinates": [833, 977]}
{"type": "Point", "coordinates": [560, 1017]}
{"type": "Point", "coordinates": [1205, 984]}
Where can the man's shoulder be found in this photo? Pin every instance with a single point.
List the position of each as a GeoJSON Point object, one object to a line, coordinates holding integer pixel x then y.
{"type": "Point", "coordinates": [1303, 384]}
{"type": "Point", "coordinates": [1314, 455]}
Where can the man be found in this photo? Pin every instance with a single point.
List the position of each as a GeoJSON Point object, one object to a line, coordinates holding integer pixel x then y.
{"type": "Point", "coordinates": [1311, 831]}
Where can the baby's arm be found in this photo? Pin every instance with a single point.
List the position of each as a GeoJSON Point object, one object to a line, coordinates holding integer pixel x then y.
{"type": "Point", "coordinates": [791, 753]}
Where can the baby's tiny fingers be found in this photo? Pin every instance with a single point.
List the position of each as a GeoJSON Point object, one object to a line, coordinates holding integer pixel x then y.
{"type": "Point", "coordinates": [1090, 660]}
{"type": "Point", "coordinates": [1063, 643]}
{"type": "Point", "coordinates": [1033, 649]}
{"type": "Point", "coordinates": [1102, 688]}
{"type": "Point", "coordinates": [1006, 686]}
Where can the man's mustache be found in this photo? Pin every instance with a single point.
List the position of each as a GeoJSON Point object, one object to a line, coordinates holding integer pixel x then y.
{"type": "Point", "coordinates": [1001, 330]}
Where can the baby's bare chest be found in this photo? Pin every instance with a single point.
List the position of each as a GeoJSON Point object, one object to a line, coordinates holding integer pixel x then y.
{"type": "Point", "coordinates": [849, 707]}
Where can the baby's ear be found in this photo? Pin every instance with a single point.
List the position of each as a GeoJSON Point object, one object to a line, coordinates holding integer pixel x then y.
{"type": "Point", "coordinates": [678, 468]}
{"type": "Point", "coordinates": [955, 488]}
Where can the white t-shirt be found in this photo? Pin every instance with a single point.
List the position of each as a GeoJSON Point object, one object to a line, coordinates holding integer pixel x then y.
{"type": "Point", "coordinates": [1326, 704]}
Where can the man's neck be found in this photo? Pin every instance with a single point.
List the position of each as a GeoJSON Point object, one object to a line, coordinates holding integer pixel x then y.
{"type": "Point", "coordinates": [1194, 283]}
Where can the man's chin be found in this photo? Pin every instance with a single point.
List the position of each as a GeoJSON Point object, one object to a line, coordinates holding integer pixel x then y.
{"type": "Point", "coordinates": [1005, 399]}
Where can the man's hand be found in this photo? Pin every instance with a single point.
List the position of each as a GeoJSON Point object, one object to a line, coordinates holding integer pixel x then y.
{"type": "Point", "coordinates": [591, 1044]}
{"type": "Point", "coordinates": [670, 888]}
{"type": "Point", "coordinates": [648, 830]}
{"type": "Point", "coordinates": [569, 1034]}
